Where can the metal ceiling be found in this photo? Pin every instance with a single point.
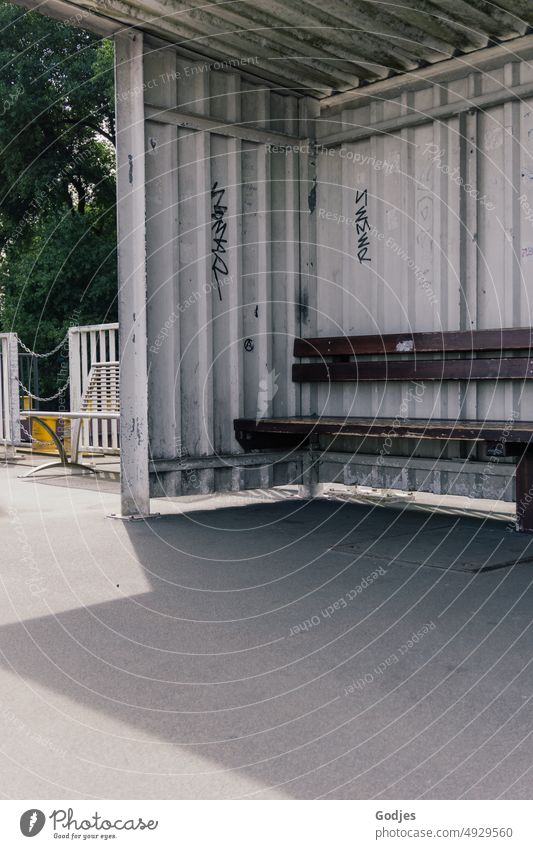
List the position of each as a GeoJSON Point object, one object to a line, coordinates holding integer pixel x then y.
{"type": "Point", "coordinates": [321, 47]}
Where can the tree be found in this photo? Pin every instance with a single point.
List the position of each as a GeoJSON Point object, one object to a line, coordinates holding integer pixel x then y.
{"type": "Point", "coordinates": [57, 179]}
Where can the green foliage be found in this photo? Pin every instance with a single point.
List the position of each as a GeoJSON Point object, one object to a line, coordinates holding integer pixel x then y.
{"type": "Point", "coordinates": [66, 275]}
{"type": "Point", "coordinates": [56, 95]}
{"type": "Point", "coordinates": [57, 178]}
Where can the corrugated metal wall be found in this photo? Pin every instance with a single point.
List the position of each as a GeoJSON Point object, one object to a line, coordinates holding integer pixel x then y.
{"type": "Point", "coordinates": [222, 267]}
{"type": "Point", "coordinates": [437, 258]}
{"type": "Point", "coordinates": [238, 240]}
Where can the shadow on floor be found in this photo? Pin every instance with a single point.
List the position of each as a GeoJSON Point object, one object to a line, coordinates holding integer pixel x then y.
{"type": "Point", "coordinates": [295, 649]}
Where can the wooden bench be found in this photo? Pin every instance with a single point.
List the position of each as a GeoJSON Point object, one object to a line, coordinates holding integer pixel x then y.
{"type": "Point", "coordinates": [500, 354]}
{"type": "Point", "coordinates": [100, 402]}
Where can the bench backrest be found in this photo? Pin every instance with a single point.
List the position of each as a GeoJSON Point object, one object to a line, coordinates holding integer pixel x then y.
{"type": "Point", "coordinates": [340, 349]}
{"type": "Point", "coordinates": [102, 393]}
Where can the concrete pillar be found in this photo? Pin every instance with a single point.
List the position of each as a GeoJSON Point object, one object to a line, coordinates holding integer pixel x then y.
{"type": "Point", "coordinates": [134, 442]}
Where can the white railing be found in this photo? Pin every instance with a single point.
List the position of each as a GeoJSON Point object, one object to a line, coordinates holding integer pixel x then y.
{"type": "Point", "coordinates": [94, 343]}
{"type": "Point", "coordinates": [9, 390]}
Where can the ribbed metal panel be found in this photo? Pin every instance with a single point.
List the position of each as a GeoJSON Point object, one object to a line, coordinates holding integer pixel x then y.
{"type": "Point", "coordinates": [441, 257]}
{"type": "Point", "coordinates": [220, 336]}
{"type": "Point", "coordinates": [438, 257]}
{"type": "Point", "coordinates": [321, 47]}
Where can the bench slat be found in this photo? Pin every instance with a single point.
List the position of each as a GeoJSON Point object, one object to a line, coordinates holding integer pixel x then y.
{"type": "Point", "coordinates": [511, 338]}
{"type": "Point", "coordinates": [491, 431]}
{"type": "Point", "coordinates": [503, 368]}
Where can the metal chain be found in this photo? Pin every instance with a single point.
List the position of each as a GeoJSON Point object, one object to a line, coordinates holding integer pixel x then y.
{"type": "Point", "coordinates": [27, 433]}
{"type": "Point", "coordinates": [48, 353]}
{"type": "Point", "coordinates": [33, 438]}
{"type": "Point", "coordinates": [50, 398]}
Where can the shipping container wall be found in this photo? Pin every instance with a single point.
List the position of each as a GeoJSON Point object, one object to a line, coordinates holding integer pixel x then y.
{"type": "Point", "coordinates": [222, 237]}
{"type": "Point", "coordinates": [249, 245]}
{"type": "Point", "coordinates": [426, 228]}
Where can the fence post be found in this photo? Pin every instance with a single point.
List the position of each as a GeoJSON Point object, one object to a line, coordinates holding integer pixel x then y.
{"type": "Point", "coordinates": [74, 368]}
{"type": "Point", "coordinates": [11, 394]}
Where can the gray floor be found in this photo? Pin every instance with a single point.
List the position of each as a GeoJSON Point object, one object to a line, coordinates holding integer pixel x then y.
{"type": "Point", "coordinates": [261, 649]}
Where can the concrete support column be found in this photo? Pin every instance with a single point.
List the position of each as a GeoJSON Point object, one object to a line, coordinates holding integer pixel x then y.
{"type": "Point", "coordinates": [524, 492]}
{"type": "Point", "coordinates": [134, 442]}
{"type": "Point", "coordinates": [310, 486]}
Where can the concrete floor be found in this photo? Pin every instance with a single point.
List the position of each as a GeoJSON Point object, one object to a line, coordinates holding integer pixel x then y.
{"type": "Point", "coordinates": [262, 649]}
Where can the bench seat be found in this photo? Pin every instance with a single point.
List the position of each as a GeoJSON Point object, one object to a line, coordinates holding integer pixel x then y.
{"type": "Point", "coordinates": [486, 431]}
{"type": "Point", "coordinates": [469, 356]}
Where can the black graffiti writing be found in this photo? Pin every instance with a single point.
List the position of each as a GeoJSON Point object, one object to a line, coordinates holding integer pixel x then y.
{"type": "Point", "coordinates": [362, 225]}
{"type": "Point", "coordinates": [219, 225]}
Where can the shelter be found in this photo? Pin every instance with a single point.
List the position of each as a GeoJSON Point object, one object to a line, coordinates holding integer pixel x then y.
{"type": "Point", "coordinates": [250, 137]}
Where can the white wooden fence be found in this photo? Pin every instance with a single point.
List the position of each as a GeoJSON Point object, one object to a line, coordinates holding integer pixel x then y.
{"type": "Point", "coordinates": [9, 390]}
{"type": "Point", "coordinates": [87, 345]}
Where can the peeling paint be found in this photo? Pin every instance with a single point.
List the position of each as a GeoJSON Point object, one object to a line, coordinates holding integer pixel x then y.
{"type": "Point", "coordinates": [312, 197]}
{"type": "Point", "coordinates": [408, 345]}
